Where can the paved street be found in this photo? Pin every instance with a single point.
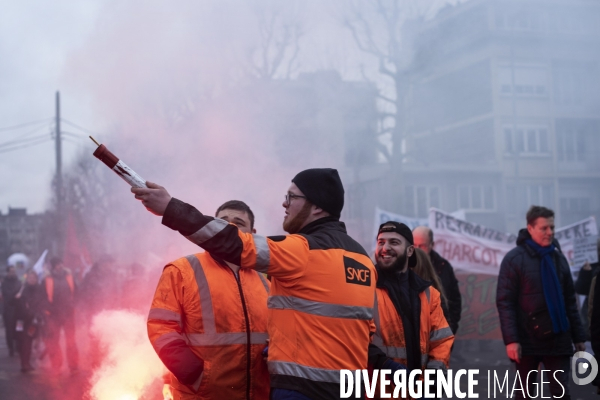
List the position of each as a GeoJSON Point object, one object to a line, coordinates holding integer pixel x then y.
{"type": "Point", "coordinates": [42, 385]}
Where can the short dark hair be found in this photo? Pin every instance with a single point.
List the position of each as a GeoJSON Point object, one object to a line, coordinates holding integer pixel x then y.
{"type": "Point", "coordinates": [536, 212]}
{"type": "Point", "coordinates": [239, 206]}
{"type": "Point", "coordinates": [54, 261]}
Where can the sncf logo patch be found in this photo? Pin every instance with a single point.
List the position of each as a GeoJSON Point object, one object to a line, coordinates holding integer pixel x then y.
{"type": "Point", "coordinates": [356, 272]}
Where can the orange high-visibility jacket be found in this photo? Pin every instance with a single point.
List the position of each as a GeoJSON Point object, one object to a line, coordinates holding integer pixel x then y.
{"type": "Point", "coordinates": [222, 319]}
{"type": "Point", "coordinates": [436, 337]}
{"type": "Point", "coordinates": [321, 300]}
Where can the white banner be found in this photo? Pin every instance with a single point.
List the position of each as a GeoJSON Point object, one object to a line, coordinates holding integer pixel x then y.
{"type": "Point", "coordinates": [382, 216]}
{"type": "Point", "coordinates": [476, 249]}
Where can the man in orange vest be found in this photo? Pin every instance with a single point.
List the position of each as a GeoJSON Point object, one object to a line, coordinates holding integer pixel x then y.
{"type": "Point", "coordinates": [208, 323]}
{"type": "Point", "coordinates": [60, 293]}
{"type": "Point", "coordinates": [322, 281]}
{"type": "Point", "coordinates": [410, 324]}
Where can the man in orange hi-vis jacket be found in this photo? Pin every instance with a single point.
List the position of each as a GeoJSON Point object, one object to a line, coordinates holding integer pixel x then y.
{"type": "Point", "coordinates": [208, 323]}
{"type": "Point", "coordinates": [411, 327]}
{"type": "Point", "coordinates": [322, 287]}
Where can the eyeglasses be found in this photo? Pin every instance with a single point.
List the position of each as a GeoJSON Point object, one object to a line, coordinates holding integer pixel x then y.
{"type": "Point", "coordinates": [290, 196]}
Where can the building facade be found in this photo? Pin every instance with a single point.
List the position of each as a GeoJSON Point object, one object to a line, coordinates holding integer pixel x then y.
{"type": "Point", "coordinates": [504, 112]}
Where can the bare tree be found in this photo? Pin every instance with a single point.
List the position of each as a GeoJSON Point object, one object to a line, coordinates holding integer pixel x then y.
{"type": "Point", "coordinates": [280, 28]}
{"type": "Point", "coordinates": [378, 29]}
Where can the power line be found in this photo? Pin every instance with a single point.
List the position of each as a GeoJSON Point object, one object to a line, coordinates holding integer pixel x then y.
{"type": "Point", "coordinates": [79, 127]}
{"type": "Point", "coordinates": [9, 128]}
{"type": "Point", "coordinates": [21, 141]}
{"type": "Point", "coordinates": [34, 143]}
{"type": "Point", "coordinates": [74, 135]}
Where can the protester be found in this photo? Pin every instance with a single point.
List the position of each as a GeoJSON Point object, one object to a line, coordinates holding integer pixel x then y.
{"type": "Point", "coordinates": [29, 317]}
{"type": "Point", "coordinates": [222, 310]}
{"type": "Point", "coordinates": [536, 304]}
{"type": "Point", "coordinates": [594, 306]}
{"type": "Point", "coordinates": [60, 297]}
{"type": "Point", "coordinates": [100, 288]}
{"type": "Point", "coordinates": [410, 324]}
{"type": "Point", "coordinates": [10, 287]}
{"type": "Point", "coordinates": [322, 287]}
{"type": "Point", "coordinates": [583, 285]}
{"type": "Point", "coordinates": [423, 237]}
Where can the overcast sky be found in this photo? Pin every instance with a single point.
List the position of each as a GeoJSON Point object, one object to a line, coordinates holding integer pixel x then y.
{"type": "Point", "coordinates": [90, 50]}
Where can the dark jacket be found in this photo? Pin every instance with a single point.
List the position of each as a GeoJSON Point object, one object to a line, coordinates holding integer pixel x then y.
{"type": "Point", "coordinates": [520, 293]}
{"type": "Point", "coordinates": [595, 325]}
{"type": "Point", "coordinates": [30, 304]}
{"type": "Point", "coordinates": [445, 271]}
{"type": "Point", "coordinates": [582, 287]}
{"type": "Point", "coordinates": [10, 287]}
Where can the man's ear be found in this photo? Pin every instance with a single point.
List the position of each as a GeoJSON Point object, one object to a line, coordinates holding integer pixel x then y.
{"type": "Point", "coordinates": [410, 250]}
{"type": "Point", "coordinates": [529, 228]}
{"type": "Point", "coordinates": [316, 210]}
{"type": "Point", "coordinates": [253, 230]}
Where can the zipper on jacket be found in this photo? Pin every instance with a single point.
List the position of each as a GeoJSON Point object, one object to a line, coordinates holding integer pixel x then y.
{"type": "Point", "coordinates": [248, 345]}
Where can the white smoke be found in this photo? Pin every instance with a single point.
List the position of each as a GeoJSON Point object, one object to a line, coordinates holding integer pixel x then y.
{"type": "Point", "coordinates": [129, 364]}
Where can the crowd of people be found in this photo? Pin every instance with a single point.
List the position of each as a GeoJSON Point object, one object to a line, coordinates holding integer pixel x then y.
{"type": "Point", "coordinates": [278, 317]}
{"type": "Point", "coordinates": [329, 307]}
{"type": "Point", "coordinates": [38, 309]}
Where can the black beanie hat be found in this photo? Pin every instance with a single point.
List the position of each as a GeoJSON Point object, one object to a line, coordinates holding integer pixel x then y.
{"type": "Point", "coordinates": [322, 187]}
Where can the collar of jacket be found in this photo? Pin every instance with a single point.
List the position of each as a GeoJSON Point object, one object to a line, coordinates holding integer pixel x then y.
{"type": "Point", "coordinates": [415, 282]}
{"type": "Point", "coordinates": [521, 242]}
{"type": "Point", "coordinates": [324, 223]}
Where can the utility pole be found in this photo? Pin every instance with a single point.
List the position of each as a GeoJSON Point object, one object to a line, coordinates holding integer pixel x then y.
{"type": "Point", "coordinates": [59, 188]}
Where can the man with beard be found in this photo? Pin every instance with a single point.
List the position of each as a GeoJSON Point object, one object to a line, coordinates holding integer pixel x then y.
{"type": "Point", "coordinates": [322, 287]}
{"type": "Point", "coordinates": [410, 323]}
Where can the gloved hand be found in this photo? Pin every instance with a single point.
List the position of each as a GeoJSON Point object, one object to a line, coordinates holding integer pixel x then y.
{"type": "Point", "coordinates": [393, 365]}
{"type": "Point", "coordinates": [265, 353]}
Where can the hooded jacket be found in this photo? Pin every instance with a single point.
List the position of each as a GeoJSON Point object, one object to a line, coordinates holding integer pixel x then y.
{"type": "Point", "coordinates": [520, 294]}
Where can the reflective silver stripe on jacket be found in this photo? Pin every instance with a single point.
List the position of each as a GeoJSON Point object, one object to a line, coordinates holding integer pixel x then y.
{"type": "Point", "coordinates": [440, 334]}
{"type": "Point", "coordinates": [424, 358]}
{"type": "Point", "coordinates": [223, 339]}
{"type": "Point", "coordinates": [208, 316]}
{"type": "Point", "coordinates": [208, 231]}
{"type": "Point", "coordinates": [319, 308]}
{"type": "Point", "coordinates": [211, 337]}
{"type": "Point", "coordinates": [165, 339]}
{"type": "Point", "coordinates": [263, 254]}
{"type": "Point", "coordinates": [428, 294]}
{"type": "Point", "coordinates": [163, 314]}
{"type": "Point", "coordinates": [394, 352]}
{"type": "Point", "coordinates": [264, 281]}
{"type": "Point", "coordinates": [302, 371]}
{"type": "Point", "coordinates": [436, 364]}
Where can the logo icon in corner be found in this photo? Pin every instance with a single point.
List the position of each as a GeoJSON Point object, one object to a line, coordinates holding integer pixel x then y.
{"type": "Point", "coordinates": [583, 367]}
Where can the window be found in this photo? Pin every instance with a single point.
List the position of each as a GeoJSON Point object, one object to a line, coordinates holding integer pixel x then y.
{"type": "Point", "coordinates": [520, 198]}
{"type": "Point", "coordinates": [526, 139]}
{"type": "Point", "coordinates": [476, 197]}
{"type": "Point", "coordinates": [570, 145]}
{"type": "Point", "coordinates": [570, 85]}
{"type": "Point", "coordinates": [528, 81]}
{"type": "Point", "coordinates": [418, 200]}
{"type": "Point", "coordinates": [575, 205]}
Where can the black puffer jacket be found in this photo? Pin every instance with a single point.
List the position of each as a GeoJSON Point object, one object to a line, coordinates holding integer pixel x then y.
{"type": "Point", "coordinates": [520, 292]}
{"type": "Point", "coordinates": [445, 271]}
